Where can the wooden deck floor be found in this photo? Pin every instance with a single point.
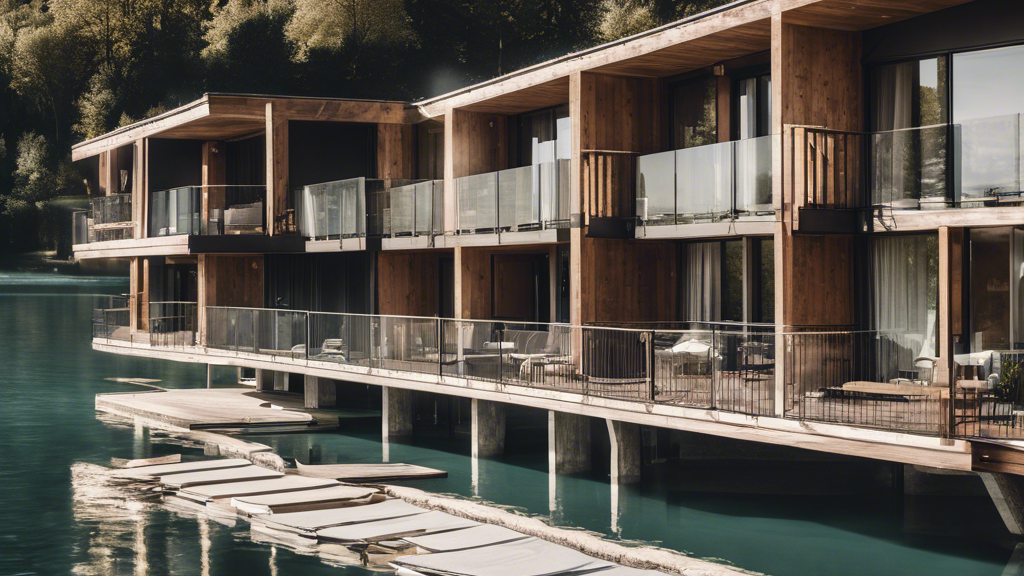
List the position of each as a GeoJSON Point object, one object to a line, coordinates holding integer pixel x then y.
{"type": "Point", "coordinates": [222, 409]}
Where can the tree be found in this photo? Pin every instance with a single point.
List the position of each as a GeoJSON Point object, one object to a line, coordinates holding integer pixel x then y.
{"type": "Point", "coordinates": [97, 106]}
{"type": "Point", "coordinates": [330, 24]}
{"type": "Point", "coordinates": [34, 180]}
{"type": "Point", "coordinates": [626, 18]}
{"type": "Point", "coordinates": [247, 48]}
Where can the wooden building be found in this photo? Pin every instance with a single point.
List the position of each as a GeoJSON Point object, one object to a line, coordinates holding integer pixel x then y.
{"type": "Point", "coordinates": [787, 221]}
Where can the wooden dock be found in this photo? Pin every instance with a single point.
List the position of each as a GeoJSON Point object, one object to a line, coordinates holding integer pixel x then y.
{"type": "Point", "coordinates": [234, 410]}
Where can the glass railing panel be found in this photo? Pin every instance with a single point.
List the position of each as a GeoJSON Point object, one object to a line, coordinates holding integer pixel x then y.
{"type": "Point", "coordinates": [80, 227]}
{"type": "Point", "coordinates": [424, 206]}
{"type": "Point", "coordinates": [656, 188]}
{"type": "Point", "coordinates": [989, 156]}
{"type": "Point", "coordinates": [175, 211]}
{"type": "Point", "coordinates": [754, 176]}
{"type": "Point", "coordinates": [908, 167]}
{"type": "Point", "coordinates": [704, 183]}
{"type": "Point", "coordinates": [518, 198]}
{"type": "Point", "coordinates": [477, 202]}
{"type": "Point", "coordinates": [403, 209]}
{"type": "Point", "coordinates": [244, 210]}
{"type": "Point", "coordinates": [331, 210]}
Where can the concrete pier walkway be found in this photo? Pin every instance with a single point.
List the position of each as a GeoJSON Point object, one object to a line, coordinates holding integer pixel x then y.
{"type": "Point", "coordinates": [221, 409]}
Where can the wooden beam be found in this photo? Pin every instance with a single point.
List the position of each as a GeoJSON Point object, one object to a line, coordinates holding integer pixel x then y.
{"type": "Point", "coordinates": [723, 110]}
{"type": "Point", "coordinates": [396, 151]}
{"type": "Point", "coordinates": [143, 129]}
{"type": "Point", "coordinates": [277, 169]}
{"type": "Point", "coordinates": [214, 177]}
{"type": "Point", "coordinates": [450, 200]}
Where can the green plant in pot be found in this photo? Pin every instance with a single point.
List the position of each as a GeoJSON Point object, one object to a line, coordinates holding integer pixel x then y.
{"type": "Point", "coordinates": [1011, 383]}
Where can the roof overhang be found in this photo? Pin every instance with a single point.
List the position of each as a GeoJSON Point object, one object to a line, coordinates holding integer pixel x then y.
{"type": "Point", "coordinates": [228, 116]}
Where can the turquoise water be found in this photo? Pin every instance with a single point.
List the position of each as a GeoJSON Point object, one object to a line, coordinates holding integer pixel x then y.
{"type": "Point", "coordinates": [54, 522]}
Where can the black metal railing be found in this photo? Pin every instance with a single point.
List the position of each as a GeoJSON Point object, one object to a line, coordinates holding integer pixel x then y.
{"type": "Point", "coordinates": [172, 324]}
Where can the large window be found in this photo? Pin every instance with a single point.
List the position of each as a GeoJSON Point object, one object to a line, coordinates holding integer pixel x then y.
{"type": "Point", "coordinates": [947, 128]}
{"type": "Point", "coordinates": [727, 280]}
{"type": "Point", "coordinates": [543, 136]}
{"type": "Point", "coordinates": [987, 111]}
{"type": "Point", "coordinates": [694, 113]}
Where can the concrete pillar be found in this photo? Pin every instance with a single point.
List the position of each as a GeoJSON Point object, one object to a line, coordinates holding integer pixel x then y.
{"type": "Point", "coordinates": [396, 416]}
{"type": "Point", "coordinates": [209, 375]}
{"type": "Point", "coordinates": [1008, 496]}
{"type": "Point", "coordinates": [280, 381]}
{"type": "Point", "coordinates": [264, 380]}
{"type": "Point", "coordinates": [488, 429]}
{"type": "Point", "coordinates": [625, 452]}
{"type": "Point", "coordinates": [568, 443]}
{"type": "Point", "coordinates": [320, 393]}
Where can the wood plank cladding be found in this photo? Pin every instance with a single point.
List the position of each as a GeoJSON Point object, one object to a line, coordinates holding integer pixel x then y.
{"type": "Point", "coordinates": [473, 283]}
{"type": "Point", "coordinates": [859, 14]}
{"type": "Point", "coordinates": [818, 286]}
{"type": "Point", "coordinates": [821, 76]}
{"type": "Point", "coordinates": [408, 283]}
{"type": "Point", "coordinates": [214, 174]}
{"type": "Point", "coordinates": [277, 169]}
{"type": "Point", "coordinates": [396, 151]}
{"type": "Point", "coordinates": [228, 281]}
{"type": "Point", "coordinates": [627, 281]}
{"type": "Point", "coordinates": [618, 121]}
{"type": "Point", "coordinates": [479, 143]}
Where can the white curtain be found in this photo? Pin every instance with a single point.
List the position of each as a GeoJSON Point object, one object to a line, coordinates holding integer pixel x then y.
{"type": "Point", "coordinates": [892, 109]}
{"type": "Point", "coordinates": [903, 271]}
{"type": "Point", "coordinates": [703, 281]}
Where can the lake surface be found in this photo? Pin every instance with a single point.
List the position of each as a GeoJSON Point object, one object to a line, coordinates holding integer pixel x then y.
{"type": "Point", "coordinates": [55, 519]}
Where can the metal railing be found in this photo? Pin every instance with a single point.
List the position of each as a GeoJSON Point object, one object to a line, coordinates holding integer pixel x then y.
{"type": "Point", "coordinates": [709, 183]}
{"type": "Point", "coordinates": [108, 218]}
{"type": "Point", "coordinates": [233, 210]}
{"type": "Point", "coordinates": [353, 208]}
{"type": "Point", "coordinates": [172, 324]}
{"type": "Point", "coordinates": [111, 318]}
{"type": "Point", "coordinates": [532, 197]}
{"type": "Point", "coordinates": [870, 379]}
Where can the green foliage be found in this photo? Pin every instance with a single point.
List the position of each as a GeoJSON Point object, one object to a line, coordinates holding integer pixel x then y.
{"type": "Point", "coordinates": [1011, 383]}
{"type": "Point", "coordinates": [76, 69]}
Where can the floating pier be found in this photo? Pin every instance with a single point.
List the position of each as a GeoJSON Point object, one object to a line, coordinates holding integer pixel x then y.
{"type": "Point", "coordinates": [362, 473]}
{"type": "Point", "coordinates": [364, 525]}
{"type": "Point", "coordinates": [221, 409]}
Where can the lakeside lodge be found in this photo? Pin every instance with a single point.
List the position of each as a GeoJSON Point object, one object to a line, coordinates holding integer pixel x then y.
{"type": "Point", "coordinates": [794, 222]}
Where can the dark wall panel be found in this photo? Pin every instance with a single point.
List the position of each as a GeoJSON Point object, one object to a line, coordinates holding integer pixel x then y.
{"type": "Point", "coordinates": [336, 282]}
{"type": "Point", "coordinates": [329, 151]}
{"type": "Point", "coordinates": [175, 163]}
{"type": "Point", "coordinates": [979, 23]}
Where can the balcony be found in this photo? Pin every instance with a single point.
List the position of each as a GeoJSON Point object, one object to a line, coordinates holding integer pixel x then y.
{"type": "Point", "coordinates": [233, 211]}
{"type": "Point", "coordinates": [712, 190]}
{"type": "Point", "coordinates": [108, 218]}
{"type": "Point", "coordinates": [515, 206]}
{"type": "Point", "coordinates": [168, 324]}
{"type": "Point", "coordinates": [341, 215]}
{"type": "Point", "coordinates": [879, 178]}
{"type": "Point", "coordinates": [416, 215]}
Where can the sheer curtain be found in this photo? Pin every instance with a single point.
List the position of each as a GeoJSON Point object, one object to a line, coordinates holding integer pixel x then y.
{"type": "Point", "coordinates": [904, 285]}
{"type": "Point", "coordinates": [703, 279]}
{"type": "Point", "coordinates": [892, 109]}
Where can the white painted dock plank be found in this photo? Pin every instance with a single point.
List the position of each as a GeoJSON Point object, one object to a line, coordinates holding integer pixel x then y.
{"type": "Point", "coordinates": [290, 484]}
{"type": "Point", "coordinates": [153, 472]}
{"type": "Point", "coordinates": [190, 479]}
{"type": "Point", "coordinates": [382, 472]}
{"type": "Point", "coordinates": [308, 523]}
{"type": "Point", "coordinates": [305, 500]}
{"type": "Point", "coordinates": [529, 557]}
{"type": "Point", "coordinates": [395, 528]}
{"type": "Point", "coordinates": [476, 537]}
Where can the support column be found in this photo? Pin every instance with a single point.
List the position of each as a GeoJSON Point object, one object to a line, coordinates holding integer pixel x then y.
{"type": "Point", "coordinates": [568, 443]}
{"type": "Point", "coordinates": [280, 381]}
{"type": "Point", "coordinates": [214, 179]}
{"type": "Point", "coordinates": [264, 380]}
{"type": "Point", "coordinates": [1006, 493]}
{"type": "Point", "coordinates": [396, 416]}
{"type": "Point", "coordinates": [209, 375]}
{"type": "Point", "coordinates": [488, 429]}
{"type": "Point", "coordinates": [277, 170]}
{"type": "Point", "coordinates": [625, 452]}
{"type": "Point", "coordinates": [320, 392]}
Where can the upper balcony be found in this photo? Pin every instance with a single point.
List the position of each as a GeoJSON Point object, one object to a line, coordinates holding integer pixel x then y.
{"type": "Point", "coordinates": [713, 190]}
{"type": "Point", "coordinates": [108, 218]}
{"type": "Point", "coordinates": [916, 178]}
{"type": "Point", "coordinates": [514, 206]}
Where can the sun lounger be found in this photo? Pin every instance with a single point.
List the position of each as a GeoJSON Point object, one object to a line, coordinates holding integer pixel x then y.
{"type": "Point", "coordinates": [333, 497]}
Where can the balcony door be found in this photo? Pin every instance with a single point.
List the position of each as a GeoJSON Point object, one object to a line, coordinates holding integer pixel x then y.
{"type": "Point", "coordinates": [996, 289]}
{"type": "Point", "coordinates": [727, 281]}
